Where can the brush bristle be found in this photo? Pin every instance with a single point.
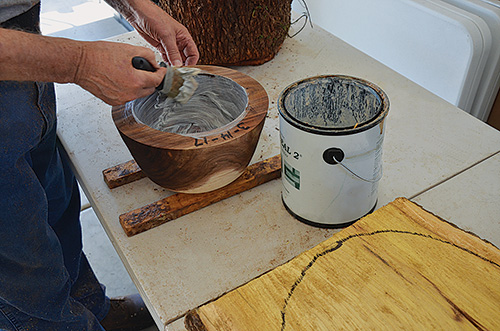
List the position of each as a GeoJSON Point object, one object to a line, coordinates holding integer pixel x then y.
{"type": "Point", "coordinates": [183, 84]}
{"type": "Point", "coordinates": [177, 82]}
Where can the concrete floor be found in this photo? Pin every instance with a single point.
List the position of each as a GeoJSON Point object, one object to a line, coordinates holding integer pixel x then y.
{"type": "Point", "coordinates": [91, 20]}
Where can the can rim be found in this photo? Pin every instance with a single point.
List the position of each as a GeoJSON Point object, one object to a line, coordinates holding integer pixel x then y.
{"type": "Point", "coordinates": [384, 109]}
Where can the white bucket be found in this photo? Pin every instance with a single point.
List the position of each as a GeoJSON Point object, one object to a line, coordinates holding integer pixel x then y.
{"type": "Point", "coordinates": [331, 131]}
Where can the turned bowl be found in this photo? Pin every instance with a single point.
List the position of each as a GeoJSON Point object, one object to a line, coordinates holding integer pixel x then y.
{"type": "Point", "coordinates": [202, 161]}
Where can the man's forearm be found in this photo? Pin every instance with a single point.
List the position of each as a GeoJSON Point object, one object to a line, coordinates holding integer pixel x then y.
{"type": "Point", "coordinates": [31, 57]}
{"type": "Point", "coordinates": [127, 7]}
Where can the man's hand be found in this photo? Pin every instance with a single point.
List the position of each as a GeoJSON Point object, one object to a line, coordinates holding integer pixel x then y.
{"type": "Point", "coordinates": [170, 37]}
{"type": "Point", "coordinates": [102, 68]}
{"type": "Point", "coordinates": [105, 69]}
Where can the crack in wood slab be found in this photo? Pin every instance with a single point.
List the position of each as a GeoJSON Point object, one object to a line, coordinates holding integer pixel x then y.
{"type": "Point", "coordinates": [339, 244]}
{"type": "Point", "coordinates": [374, 282]}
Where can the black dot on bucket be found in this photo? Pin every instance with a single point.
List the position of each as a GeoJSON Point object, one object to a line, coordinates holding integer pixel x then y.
{"type": "Point", "coordinates": [333, 155]}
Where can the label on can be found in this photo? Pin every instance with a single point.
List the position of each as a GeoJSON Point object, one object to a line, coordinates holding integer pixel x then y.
{"type": "Point", "coordinates": [292, 175]}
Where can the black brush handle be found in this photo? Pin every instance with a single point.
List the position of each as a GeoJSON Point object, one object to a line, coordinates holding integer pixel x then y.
{"type": "Point", "coordinates": [141, 63]}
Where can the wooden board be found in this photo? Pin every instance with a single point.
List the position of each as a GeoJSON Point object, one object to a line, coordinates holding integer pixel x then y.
{"type": "Point", "coordinates": [122, 174]}
{"type": "Point", "coordinates": [398, 268]}
{"type": "Point", "coordinates": [174, 206]}
{"type": "Point", "coordinates": [494, 117]}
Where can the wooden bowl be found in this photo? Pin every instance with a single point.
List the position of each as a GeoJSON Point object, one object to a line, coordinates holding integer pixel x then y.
{"type": "Point", "coordinates": [188, 164]}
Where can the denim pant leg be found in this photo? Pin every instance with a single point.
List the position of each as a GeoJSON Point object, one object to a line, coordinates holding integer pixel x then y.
{"type": "Point", "coordinates": [45, 280]}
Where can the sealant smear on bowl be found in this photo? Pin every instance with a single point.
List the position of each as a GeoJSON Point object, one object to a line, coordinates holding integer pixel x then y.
{"type": "Point", "coordinates": [217, 102]}
{"type": "Point", "coordinates": [332, 103]}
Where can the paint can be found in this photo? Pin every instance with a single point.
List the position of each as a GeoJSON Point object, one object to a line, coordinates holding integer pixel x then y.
{"type": "Point", "coordinates": [331, 132]}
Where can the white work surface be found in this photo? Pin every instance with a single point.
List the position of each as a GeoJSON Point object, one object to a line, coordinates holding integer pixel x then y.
{"type": "Point", "coordinates": [184, 263]}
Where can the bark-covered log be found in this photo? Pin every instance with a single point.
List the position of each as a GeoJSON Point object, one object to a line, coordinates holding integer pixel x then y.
{"type": "Point", "coordinates": [233, 32]}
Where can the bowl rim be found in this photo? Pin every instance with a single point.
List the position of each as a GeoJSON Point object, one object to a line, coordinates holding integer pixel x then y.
{"type": "Point", "coordinates": [256, 111]}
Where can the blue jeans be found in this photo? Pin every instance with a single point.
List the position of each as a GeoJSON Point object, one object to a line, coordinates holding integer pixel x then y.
{"type": "Point", "coordinates": [46, 282]}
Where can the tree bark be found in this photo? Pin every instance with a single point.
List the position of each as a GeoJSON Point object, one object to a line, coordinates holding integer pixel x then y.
{"type": "Point", "coordinates": [233, 32]}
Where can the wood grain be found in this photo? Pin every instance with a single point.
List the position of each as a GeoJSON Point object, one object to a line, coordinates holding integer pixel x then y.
{"type": "Point", "coordinates": [196, 165]}
{"type": "Point", "coordinates": [123, 173]}
{"type": "Point", "coordinates": [174, 206]}
{"type": "Point", "coordinates": [398, 268]}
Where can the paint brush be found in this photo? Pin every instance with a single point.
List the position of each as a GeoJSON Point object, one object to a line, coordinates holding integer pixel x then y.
{"type": "Point", "coordinates": [178, 83]}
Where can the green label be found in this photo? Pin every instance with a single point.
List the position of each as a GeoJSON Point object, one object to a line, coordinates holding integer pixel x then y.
{"type": "Point", "coordinates": [292, 175]}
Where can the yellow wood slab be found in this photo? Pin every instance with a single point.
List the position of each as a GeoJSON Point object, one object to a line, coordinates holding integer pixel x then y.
{"type": "Point", "coordinates": [399, 268]}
